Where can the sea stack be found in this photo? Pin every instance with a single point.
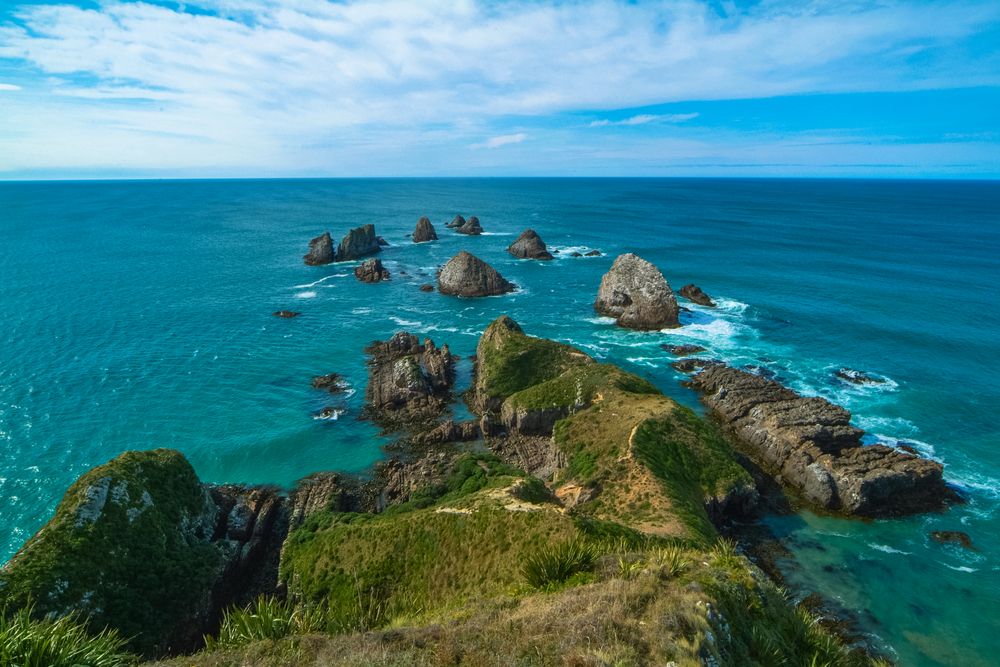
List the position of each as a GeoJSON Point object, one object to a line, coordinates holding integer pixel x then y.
{"type": "Point", "coordinates": [471, 227]}
{"type": "Point", "coordinates": [529, 245]}
{"type": "Point", "coordinates": [358, 242]}
{"type": "Point", "coordinates": [456, 222]}
{"type": "Point", "coordinates": [424, 231]}
{"type": "Point", "coordinates": [636, 294]}
{"type": "Point", "coordinates": [320, 250]}
{"type": "Point", "coordinates": [467, 275]}
{"type": "Point", "coordinates": [694, 294]}
{"type": "Point", "coordinates": [371, 271]}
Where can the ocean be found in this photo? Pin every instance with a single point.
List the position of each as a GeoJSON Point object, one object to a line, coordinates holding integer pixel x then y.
{"type": "Point", "coordinates": [138, 315]}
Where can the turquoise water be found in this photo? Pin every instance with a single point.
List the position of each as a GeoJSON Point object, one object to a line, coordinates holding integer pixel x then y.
{"type": "Point", "coordinates": [138, 315]}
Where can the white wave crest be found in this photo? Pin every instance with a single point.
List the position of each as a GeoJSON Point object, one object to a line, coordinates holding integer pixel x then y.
{"type": "Point", "coordinates": [306, 295]}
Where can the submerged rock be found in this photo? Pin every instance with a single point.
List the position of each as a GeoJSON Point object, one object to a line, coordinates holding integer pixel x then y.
{"type": "Point", "coordinates": [694, 294]}
{"type": "Point", "coordinates": [576, 254]}
{"type": "Point", "coordinates": [408, 382]}
{"type": "Point", "coordinates": [810, 444]}
{"type": "Point", "coordinates": [467, 275]}
{"type": "Point", "coordinates": [331, 382]}
{"type": "Point", "coordinates": [287, 314]}
{"type": "Point", "coordinates": [861, 378]}
{"type": "Point", "coordinates": [140, 545]}
{"type": "Point", "coordinates": [371, 271]}
{"type": "Point", "coordinates": [636, 294]}
{"type": "Point", "coordinates": [320, 250]}
{"type": "Point", "coordinates": [529, 245]}
{"type": "Point", "coordinates": [471, 227]}
{"type": "Point", "coordinates": [682, 350]}
{"type": "Point", "coordinates": [358, 243]}
{"type": "Point", "coordinates": [953, 537]}
{"type": "Point", "coordinates": [592, 253]}
{"type": "Point", "coordinates": [427, 287]}
{"type": "Point", "coordinates": [424, 231]}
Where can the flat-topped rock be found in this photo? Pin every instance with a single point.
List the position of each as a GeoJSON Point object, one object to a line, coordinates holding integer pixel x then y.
{"type": "Point", "coordinates": [357, 243]}
{"type": "Point", "coordinates": [467, 275]}
{"type": "Point", "coordinates": [320, 250]}
{"type": "Point", "coordinates": [636, 294]}
{"type": "Point", "coordinates": [471, 227]}
{"type": "Point", "coordinates": [809, 444]}
{"type": "Point", "coordinates": [424, 231]}
{"type": "Point", "coordinates": [529, 245]}
{"type": "Point", "coordinates": [694, 294]}
{"type": "Point", "coordinates": [371, 271]}
{"type": "Point", "coordinates": [286, 314]}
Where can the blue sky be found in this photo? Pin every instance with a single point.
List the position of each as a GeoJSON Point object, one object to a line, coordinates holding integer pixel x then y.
{"type": "Point", "coordinates": [262, 88]}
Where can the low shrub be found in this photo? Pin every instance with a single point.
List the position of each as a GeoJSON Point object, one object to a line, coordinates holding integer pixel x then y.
{"type": "Point", "coordinates": [59, 642]}
{"type": "Point", "coordinates": [265, 618]}
{"type": "Point", "coordinates": [556, 564]}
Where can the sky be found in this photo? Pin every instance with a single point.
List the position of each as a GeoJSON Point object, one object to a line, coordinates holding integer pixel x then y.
{"type": "Point", "coordinates": [304, 88]}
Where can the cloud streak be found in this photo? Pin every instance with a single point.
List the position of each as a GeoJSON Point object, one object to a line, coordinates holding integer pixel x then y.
{"type": "Point", "coordinates": [645, 119]}
{"type": "Point", "coordinates": [502, 140]}
{"type": "Point", "coordinates": [287, 85]}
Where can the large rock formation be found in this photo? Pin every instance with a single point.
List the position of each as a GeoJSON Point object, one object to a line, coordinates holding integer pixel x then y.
{"type": "Point", "coordinates": [529, 245]}
{"type": "Point", "coordinates": [358, 243]}
{"type": "Point", "coordinates": [810, 445]}
{"type": "Point", "coordinates": [467, 275]}
{"type": "Point", "coordinates": [471, 227]}
{"type": "Point", "coordinates": [320, 250]}
{"type": "Point", "coordinates": [139, 544]}
{"type": "Point", "coordinates": [636, 294]}
{"type": "Point", "coordinates": [371, 271]}
{"type": "Point", "coordinates": [408, 383]}
{"type": "Point", "coordinates": [424, 231]}
{"type": "Point", "coordinates": [694, 294]}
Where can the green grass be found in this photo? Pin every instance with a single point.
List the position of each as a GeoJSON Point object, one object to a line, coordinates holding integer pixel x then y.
{"type": "Point", "coordinates": [265, 619]}
{"type": "Point", "coordinates": [134, 569]}
{"type": "Point", "coordinates": [555, 564]}
{"type": "Point", "coordinates": [27, 641]}
{"type": "Point", "coordinates": [578, 386]}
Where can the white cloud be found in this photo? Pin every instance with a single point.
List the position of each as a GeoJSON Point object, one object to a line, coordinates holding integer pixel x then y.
{"type": "Point", "coordinates": [297, 83]}
{"type": "Point", "coordinates": [9, 86]}
{"type": "Point", "coordinates": [643, 119]}
{"type": "Point", "coordinates": [502, 140]}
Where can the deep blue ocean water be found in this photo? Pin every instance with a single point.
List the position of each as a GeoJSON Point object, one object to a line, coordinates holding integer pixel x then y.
{"type": "Point", "coordinates": [138, 315]}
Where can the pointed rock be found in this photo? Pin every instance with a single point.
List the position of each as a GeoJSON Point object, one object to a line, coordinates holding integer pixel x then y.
{"type": "Point", "coordinates": [471, 227]}
{"type": "Point", "coordinates": [694, 294]}
{"type": "Point", "coordinates": [636, 294]}
{"type": "Point", "coordinates": [456, 222]}
{"type": "Point", "coordinates": [467, 275]}
{"type": "Point", "coordinates": [529, 245]}
{"type": "Point", "coordinates": [320, 250]}
{"type": "Point", "coordinates": [424, 231]}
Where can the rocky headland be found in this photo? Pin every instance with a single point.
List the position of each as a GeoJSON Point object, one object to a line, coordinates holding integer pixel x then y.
{"type": "Point", "coordinates": [810, 445]}
{"type": "Point", "coordinates": [636, 294]}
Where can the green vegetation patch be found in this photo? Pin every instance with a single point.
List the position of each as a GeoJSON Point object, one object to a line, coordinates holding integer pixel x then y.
{"type": "Point", "coordinates": [128, 547]}
{"type": "Point", "coordinates": [579, 385]}
{"type": "Point", "coordinates": [692, 460]}
{"type": "Point", "coordinates": [28, 641]}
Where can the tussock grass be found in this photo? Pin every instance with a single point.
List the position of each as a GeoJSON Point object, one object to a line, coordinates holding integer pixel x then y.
{"type": "Point", "coordinates": [265, 619]}
{"type": "Point", "coordinates": [61, 642]}
{"type": "Point", "coordinates": [553, 565]}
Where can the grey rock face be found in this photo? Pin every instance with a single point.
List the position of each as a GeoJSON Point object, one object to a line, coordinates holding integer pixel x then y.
{"type": "Point", "coordinates": [358, 243]}
{"type": "Point", "coordinates": [636, 294]}
{"type": "Point", "coordinates": [320, 250]}
{"type": "Point", "coordinates": [371, 271]}
{"type": "Point", "coordinates": [810, 444]}
{"type": "Point", "coordinates": [471, 227]}
{"type": "Point", "coordinates": [424, 231]}
{"type": "Point", "coordinates": [694, 294]}
{"type": "Point", "coordinates": [467, 275]}
{"type": "Point", "coordinates": [456, 222]}
{"type": "Point", "coordinates": [529, 245]}
{"type": "Point", "coordinates": [408, 382]}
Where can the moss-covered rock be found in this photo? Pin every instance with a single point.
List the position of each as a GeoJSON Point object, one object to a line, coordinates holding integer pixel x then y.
{"type": "Point", "coordinates": [129, 545]}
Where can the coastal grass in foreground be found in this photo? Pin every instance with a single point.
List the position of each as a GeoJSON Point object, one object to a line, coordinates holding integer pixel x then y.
{"type": "Point", "coordinates": [29, 641]}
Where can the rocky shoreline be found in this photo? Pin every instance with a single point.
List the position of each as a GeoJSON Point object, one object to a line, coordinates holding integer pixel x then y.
{"type": "Point", "coordinates": [587, 436]}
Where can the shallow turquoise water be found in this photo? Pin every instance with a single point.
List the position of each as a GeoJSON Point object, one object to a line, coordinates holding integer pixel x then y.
{"type": "Point", "coordinates": [139, 315]}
